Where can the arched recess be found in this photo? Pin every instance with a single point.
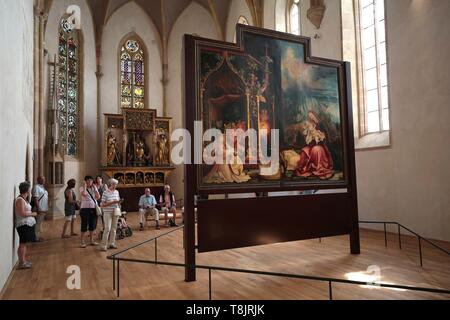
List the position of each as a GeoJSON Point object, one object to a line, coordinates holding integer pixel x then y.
{"type": "Point", "coordinates": [130, 19]}
{"type": "Point", "coordinates": [195, 19]}
{"type": "Point", "coordinates": [87, 160]}
{"type": "Point", "coordinates": [293, 17]}
{"type": "Point", "coordinates": [241, 20]}
{"type": "Point", "coordinates": [237, 8]}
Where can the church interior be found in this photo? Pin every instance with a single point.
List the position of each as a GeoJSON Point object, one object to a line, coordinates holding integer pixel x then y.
{"type": "Point", "coordinates": [97, 87]}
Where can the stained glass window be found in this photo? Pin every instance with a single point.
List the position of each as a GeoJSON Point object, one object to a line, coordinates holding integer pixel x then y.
{"type": "Point", "coordinates": [132, 75]}
{"type": "Point", "coordinates": [68, 87]}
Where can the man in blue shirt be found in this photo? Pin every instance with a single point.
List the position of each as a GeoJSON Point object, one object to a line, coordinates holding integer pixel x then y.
{"type": "Point", "coordinates": [147, 206]}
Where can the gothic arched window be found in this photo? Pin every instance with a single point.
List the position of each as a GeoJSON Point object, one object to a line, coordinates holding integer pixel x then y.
{"type": "Point", "coordinates": [241, 20]}
{"type": "Point", "coordinates": [68, 86]}
{"type": "Point", "coordinates": [132, 74]}
{"type": "Point", "coordinates": [294, 18]}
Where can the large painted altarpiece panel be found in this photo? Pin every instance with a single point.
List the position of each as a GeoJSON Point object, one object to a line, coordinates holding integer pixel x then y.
{"type": "Point", "coordinates": [273, 84]}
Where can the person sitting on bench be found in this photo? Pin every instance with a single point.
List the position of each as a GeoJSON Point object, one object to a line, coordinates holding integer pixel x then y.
{"type": "Point", "coordinates": [168, 205]}
{"type": "Point", "coordinates": [147, 206]}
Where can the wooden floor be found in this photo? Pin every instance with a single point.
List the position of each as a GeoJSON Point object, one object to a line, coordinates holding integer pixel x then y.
{"type": "Point", "coordinates": [329, 258]}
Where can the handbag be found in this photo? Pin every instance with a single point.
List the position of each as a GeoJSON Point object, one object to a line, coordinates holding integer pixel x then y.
{"type": "Point", "coordinates": [76, 205]}
{"type": "Point", "coordinates": [98, 210]}
{"type": "Point", "coordinates": [117, 212]}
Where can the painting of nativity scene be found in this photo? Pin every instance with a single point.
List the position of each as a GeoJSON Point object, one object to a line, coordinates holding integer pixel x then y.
{"type": "Point", "coordinates": [270, 85]}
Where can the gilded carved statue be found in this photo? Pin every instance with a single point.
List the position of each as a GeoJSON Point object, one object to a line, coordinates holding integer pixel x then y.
{"type": "Point", "coordinates": [162, 154]}
{"type": "Point", "coordinates": [112, 152]}
{"type": "Point", "coordinates": [140, 150]}
{"type": "Point", "coordinates": [138, 153]}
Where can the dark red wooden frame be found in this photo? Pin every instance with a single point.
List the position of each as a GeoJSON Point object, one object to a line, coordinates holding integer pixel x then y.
{"type": "Point", "coordinates": [234, 223]}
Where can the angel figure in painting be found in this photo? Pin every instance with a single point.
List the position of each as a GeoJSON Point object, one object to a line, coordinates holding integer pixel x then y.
{"type": "Point", "coordinates": [315, 157]}
{"type": "Point", "coordinates": [227, 172]}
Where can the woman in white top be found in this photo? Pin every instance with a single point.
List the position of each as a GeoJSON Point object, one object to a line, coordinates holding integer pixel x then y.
{"type": "Point", "coordinates": [110, 201]}
{"type": "Point", "coordinates": [25, 223]}
{"type": "Point", "coordinates": [88, 213]}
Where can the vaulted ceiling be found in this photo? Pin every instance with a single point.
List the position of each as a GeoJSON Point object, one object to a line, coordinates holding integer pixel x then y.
{"type": "Point", "coordinates": [163, 13]}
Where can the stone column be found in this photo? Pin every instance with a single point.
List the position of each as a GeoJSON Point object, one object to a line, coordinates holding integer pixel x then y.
{"type": "Point", "coordinates": [38, 114]}
{"type": "Point", "coordinates": [99, 75]}
{"type": "Point", "coordinates": [165, 82]}
{"type": "Point", "coordinates": [42, 109]}
{"type": "Point", "coordinates": [165, 58]}
{"type": "Point", "coordinates": [36, 43]}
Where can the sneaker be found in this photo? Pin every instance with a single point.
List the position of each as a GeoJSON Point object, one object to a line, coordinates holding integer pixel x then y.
{"type": "Point", "coordinates": [141, 227]}
{"type": "Point", "coordinates": [113, 246]}
{"type": "Point", "coordinates": [83, 245]}
{"type": "Point", "coordinates": [103, 248]}
{"type": "Point", "coordinates": [25, 265]}
{"type": "Point", "coordinates": [94, 243]}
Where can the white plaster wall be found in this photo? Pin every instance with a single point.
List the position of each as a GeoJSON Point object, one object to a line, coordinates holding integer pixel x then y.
{"type": "Point", "coordinates": [280, 15]}
{"type": "Point", "coordinates": [88, 159]}
{"type": "Point", "coordinates": [16, 123]}
{"type": "Point", "coordinates": [194, 19]}
{"type": "Point", "coordinates": [329, 45]}
{"type": "Point", "coordinates": [237, 8]}
{"type": "Point", "coordinates": [408, 182]}
{"type": "Point", "coordinates": [269, 14]}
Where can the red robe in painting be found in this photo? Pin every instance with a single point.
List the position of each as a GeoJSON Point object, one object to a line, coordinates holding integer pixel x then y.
{"type": "Point", "coordinates": [315, 158]}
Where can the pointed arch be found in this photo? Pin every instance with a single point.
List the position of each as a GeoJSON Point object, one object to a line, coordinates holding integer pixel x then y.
{"type": "Point", "coordinates": [242, 20]}
{"type": "Point", "coordinates": [293, 17]}
{"type": "Point", "coordinates": [133, 73]}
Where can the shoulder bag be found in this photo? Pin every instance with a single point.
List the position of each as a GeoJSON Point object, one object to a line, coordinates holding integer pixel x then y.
{"type": "Point", "coordinates": [98, 210]}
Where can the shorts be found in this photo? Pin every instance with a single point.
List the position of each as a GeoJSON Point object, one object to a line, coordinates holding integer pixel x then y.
{"type": "Point", "coordinates": [170, 210]}
{"type": "Point", "coordinates": [72, 217]}
{"type": "Point", "coordinates": [26, 234]}
{"type": "Point", "coordinates": [88, 219]}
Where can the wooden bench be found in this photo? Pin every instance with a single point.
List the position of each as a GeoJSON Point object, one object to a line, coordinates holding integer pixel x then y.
{"type": "Point", "coordinates": [180, 212]}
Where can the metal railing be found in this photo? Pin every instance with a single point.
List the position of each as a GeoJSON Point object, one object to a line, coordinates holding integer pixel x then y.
{"type": "Point", "coordinates": [116, 268]}
{"type": "Point", "coordinates": [399, 226]}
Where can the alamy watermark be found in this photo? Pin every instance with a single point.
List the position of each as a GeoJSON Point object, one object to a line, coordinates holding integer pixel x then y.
{"type": "Point", "coordinates": [73, 282]}
{"type": "Point", "coordinates": [234, 146]}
